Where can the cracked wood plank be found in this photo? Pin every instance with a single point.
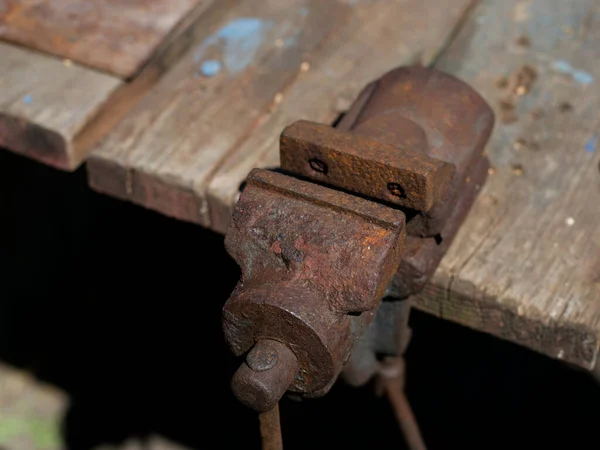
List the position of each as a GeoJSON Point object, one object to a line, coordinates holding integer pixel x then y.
{"type": "Point", "coordinates": [526, 263]}
{"type": "Point", "coordinates": [110, 35]}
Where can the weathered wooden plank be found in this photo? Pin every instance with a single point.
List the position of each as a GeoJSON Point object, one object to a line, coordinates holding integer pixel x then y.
{"type": "Point", "coordinates": [162, 154]}
{"type": "Point", "coordinates": [526, 264]}
{"type": "Point", "coordinates": [170, 50]}
{"type": "Point", "coordinates": [378, 37]}
{"type": "Point", "coordinates": [110, 35]}
{"type": "Point", "coordinates": [45, 103]}
{"type": "Point", "coordinates": [66, 149]}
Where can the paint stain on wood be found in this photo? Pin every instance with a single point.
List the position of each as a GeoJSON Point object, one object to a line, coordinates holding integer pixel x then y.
{"type": "Point", "coordinates": [239, 40]}
{"type": "Point", "coordinates": [580, 76]}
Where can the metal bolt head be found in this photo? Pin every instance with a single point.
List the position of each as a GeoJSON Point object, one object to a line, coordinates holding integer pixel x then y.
{"type": "Point", "coordinates": [262, 357]}
{"type": "Point", "coordinates": [261, 388]}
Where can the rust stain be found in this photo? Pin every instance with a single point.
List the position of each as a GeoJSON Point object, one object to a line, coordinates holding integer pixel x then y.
{"type": "Point", "coordinates": [12, 12]}
{"type": "Point", "coordinates": [372, 240]}
{"type": "Point", "coordinates": [276, 248]}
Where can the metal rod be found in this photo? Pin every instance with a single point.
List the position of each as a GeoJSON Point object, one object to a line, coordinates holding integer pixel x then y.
{"type": "Point", "coordinates": [397, 396]}
{"type": "Point", "coordinates": [270, 429]}
{"type": "Point", "coordinates": [405, 416]}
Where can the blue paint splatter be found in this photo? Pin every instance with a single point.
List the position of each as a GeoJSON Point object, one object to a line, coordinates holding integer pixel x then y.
{"type": "Point", "coordinates": [583, 77]}
{"type": "Point", "coordinates": [590, 147]}
{"type": "Point", "coordinates": [579, 76]}
{"type": "Point", "coordinates": [241, 39]}
{"type": "Point", "coordinates": [563, 66]}
{"type": "Point", "coordinates": [210, 67]}
{"type": "Point", "coordinates": [27, 99]}
{"type": "Point", "coordinates": [304, 11]}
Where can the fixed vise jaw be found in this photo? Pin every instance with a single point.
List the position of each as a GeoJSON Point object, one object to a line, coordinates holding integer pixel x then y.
{"type": "Point", "coordinates": [315, 263]}
{"type": "Point", "coordinates": [365, 208]}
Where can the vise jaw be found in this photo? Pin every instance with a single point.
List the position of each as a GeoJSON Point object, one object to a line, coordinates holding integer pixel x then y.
{"type": "Point", "coordinates": [315, 263]}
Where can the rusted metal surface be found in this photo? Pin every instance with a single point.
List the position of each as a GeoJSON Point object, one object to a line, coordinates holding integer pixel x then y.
{"type": "Point", "coordinates": [268, 372]}
{"type": "Point", "coordinates": [315, 255]}
{"type": "Point", "coordinates": [429, 112]}
{"type": "Point", "coordinates": [455, 119]}
{"type": "Point", "coordinates": [270, 429]}
{"type": "Point", "coordinates": [408, 111]}
{"type": "Point", "coordinates": [421, 256]}
{"type": "Point", "coordinates": [404, 176]}
{"type": "Point", "coordinates": [392, 377]}
{"type": "Point", "coordinates": [387, 334]}
{"type": "Point", "coordinates": [315, 263]}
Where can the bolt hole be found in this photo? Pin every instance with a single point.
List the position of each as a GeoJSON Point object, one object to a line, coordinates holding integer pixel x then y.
{"type": "Point", "coordinates": [396, 190]}
{"type": "Point", "coordinates": [438, 239]}
{"type": "Point", "coordinates": [318, 166]}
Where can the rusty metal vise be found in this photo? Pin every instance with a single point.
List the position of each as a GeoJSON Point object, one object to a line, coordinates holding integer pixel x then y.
{"type": "Point", "coordinates": [358, 212]}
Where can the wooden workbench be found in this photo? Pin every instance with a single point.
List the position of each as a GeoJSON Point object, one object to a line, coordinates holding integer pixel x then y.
{"type": "Point", "coordinates": [176, 124]}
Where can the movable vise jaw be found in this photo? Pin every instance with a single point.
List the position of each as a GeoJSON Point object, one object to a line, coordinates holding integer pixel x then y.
{"type": "Point", "coordinates": [362, 209]}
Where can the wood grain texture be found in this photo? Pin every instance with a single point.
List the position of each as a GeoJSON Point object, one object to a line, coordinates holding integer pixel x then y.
{"type": "Point", "coordinates": [377, 37]}
{"type": "Point", "coordinates": [164, 152]}
{"type": "Point", "coordinates": [170, 50]}
{"type": "Point", "coordinates": [526, 264]}
{"type": "Point", "coordinates": [44, 104]}
{"type": "Point", "coordinates": [111, 35]}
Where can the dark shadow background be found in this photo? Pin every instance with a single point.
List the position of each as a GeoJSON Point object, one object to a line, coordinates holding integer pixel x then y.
{"type": "Point", "coordinates": [120, 307]}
